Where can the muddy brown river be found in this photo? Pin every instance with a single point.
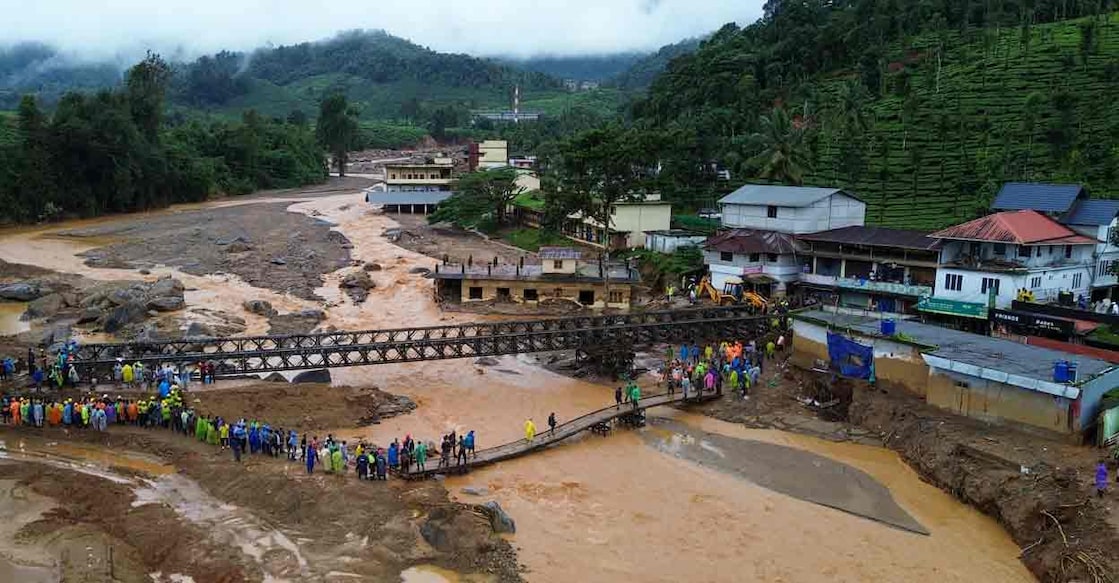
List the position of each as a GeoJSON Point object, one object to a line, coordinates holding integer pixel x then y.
{"type": "Point", "coordinates": [601, 509]}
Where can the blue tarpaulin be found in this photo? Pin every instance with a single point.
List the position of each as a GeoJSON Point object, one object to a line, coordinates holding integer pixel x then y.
{"type": "Point", "coordinates": [851, 358]}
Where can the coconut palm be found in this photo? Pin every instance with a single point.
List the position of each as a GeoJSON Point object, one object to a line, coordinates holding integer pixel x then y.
{"type": "Point", "coordinates": [782, 150]}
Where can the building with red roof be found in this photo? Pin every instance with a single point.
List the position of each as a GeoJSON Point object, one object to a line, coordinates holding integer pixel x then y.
{"type": "Point", "coordinates": [992, 260]}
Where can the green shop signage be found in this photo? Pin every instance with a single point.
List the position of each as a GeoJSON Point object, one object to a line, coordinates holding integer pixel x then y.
{"type": "Point", "coordinates": [952, 307]}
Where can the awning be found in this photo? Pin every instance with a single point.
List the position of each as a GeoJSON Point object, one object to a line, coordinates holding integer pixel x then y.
{"type": "Point", "coordinates": [952, 307]}
{"type": "Point", "coordinates": [760, 278]}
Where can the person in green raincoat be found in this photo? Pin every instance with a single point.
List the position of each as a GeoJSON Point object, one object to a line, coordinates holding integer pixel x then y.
{"type": "Point", "coordinates": [212, 435]}
{"type": "Point", "coordinates": [25, 411]}
{"type": "Point", "coordinates": [85, 414]}
{"type": "Point", "coordinates": [634, 394]}
{"type": "Point", "coordinates": [421, 455]}
{"type": "Point", "coordinates": [336, 460]}
{"type": "Point", "coordinates": [200, 428]}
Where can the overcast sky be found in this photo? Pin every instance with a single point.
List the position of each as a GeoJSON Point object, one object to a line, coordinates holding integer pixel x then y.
{"type": "Point", "coordinates": [487, 27]}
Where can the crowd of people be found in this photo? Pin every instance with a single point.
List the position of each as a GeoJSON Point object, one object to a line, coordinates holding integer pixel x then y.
{"type": "Point", "coordinates": [733, 365]}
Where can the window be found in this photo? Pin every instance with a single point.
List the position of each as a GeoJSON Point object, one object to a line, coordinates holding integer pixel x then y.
{"type": "Point", "coordinates": [1049, 249]}
{"type": "Point", "coordinates": [962, 385]}
{"type": "Point", "coordinates": [586, 297]}
{"type": "Point", "coordinates": [613, 210]}
{"type": "Point", "coordinates": [1039, 250]}
{"type": "Point", "coordinates": [953, 282]}
{"type": "Point", "coordinates": [726, 256]}
{"type": "Point", "coordinates": [1068, 251]}
{"type": "Point", "coordinates": [558, 292]}
{"type": "Point", "coordinates": [1077, 279]}
{"type": "Point", "coordinates": [1104, 269]}
{"type": "Point", "coordinates": [990, 283]}
{"type": "Point", "coordinates": [476, 293]}
{"type": "Point", "coordinates": [771, 212]}
{"type": "Point", "coordinates": [616, 297]}
{"type": "Point", "coordinates": [771, 257]}
{"type": "Point", "coordinates": [530, 295]}
{"type": "Point", "coordinates": [1035, 282]}
{"type": "Point", "coordinates": [755, 257]}
{"type": "Point", "coordinates": [392, 176]}
{"type": "Point", "coordinates": [999, 248]}
{"type": "Point", "coordinates": [1023, 251]}
{"type": "Point", "coordinates": [557, 263]}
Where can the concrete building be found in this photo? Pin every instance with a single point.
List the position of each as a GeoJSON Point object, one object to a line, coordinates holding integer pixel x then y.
{"type": "Point", "coordinates": [791, 209]}
{"type": "Point", "coordinates": [984, 262]}
{"type": "Point", "coordinates": [991, 379]}
{"type": "Point", "coordinates": [766, 261]}
{"type": "Point", "coordinates": [1097, 219]}
{"type": "Point", "coordinates": [629, 221]}
{"type": "Point", "coordinates": [413, 188]}
{"type": "Point", "coordinates": [871, 267]}
{"type": "Point", "coordinates": [672, 239]}
{"type": "Point", "coordinates": [561, 275]}
{"type": "Point", "coordinates": [487, 154]}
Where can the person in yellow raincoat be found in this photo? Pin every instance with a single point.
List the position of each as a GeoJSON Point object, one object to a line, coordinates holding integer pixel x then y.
{"type": "Point", "coordinates": [530, 430]}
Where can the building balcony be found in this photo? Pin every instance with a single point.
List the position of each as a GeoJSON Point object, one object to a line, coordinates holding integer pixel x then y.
{"type": "Point", "coordinates": [850, 283]}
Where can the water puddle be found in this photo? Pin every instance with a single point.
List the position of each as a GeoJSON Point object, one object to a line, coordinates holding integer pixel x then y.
{"type": "Point", "coordinates": [434, 574]}
{"type": "Point", "coordinates": [10, 318]}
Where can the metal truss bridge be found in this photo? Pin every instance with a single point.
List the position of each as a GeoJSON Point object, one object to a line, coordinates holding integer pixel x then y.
{"type": "Point", "coordinates": [235, 356]}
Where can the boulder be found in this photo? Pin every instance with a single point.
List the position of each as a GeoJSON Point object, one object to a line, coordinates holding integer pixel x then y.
{"type": "Point", "coordinates": [358, 279]}
{"type": "Point", "coordinates": [259, 307]}
{"type": "Point", "coordinates": [372, 267]}
{"type": "Point", "coordinates": [486, 361]}
{"type": "Point", "coordinates": [55, 335]}
{"type": "Point", "coordinates": [148, 334]}
{"type": "Point", "coordinates": [21, 292]}
{"type": "Point", "coordinates": [198, 330]}
{"type": "Point", "coordinates": [166, 303]}
{"type": "Point", "coordinates": [312, 313]}
{"type": "Point", "coordinates": [473, 491]}
{"type": "Point", "coordinates": [320, 375]}
{"type": "Point", "coordinates": [166, 287]}
{"type": "Point", "coordinates": [123, 315]}
{"type": "Point", "coordinates": [238, 247]}
{"type": "Point", "coordinates": [499, 520]}
{"type": "Point", "coordinates": [421, 270]}
{"type": "Point", "coordinates": [44, 307]}
{"type": "Point", "coordinates": [126, 295]}
{"type": "Point", "coordinates": [90, 314]}
{"type": "Point", "coordinates": [279, 261]}
{"type": "Point", "coordinates": [145, 272]}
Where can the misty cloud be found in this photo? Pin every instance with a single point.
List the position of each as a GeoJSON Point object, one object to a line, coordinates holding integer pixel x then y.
{"type": "Point", "coordinates": [183, 29]}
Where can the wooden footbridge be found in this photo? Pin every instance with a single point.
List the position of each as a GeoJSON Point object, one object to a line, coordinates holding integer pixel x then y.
{"type": "Point", "coordinates": [546, 438]}
{"type": "Point", "coordinates": [234, 356]}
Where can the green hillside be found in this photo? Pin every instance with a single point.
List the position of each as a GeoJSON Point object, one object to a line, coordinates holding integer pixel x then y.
{"type": "Point", "coordinates": [1003, 109]}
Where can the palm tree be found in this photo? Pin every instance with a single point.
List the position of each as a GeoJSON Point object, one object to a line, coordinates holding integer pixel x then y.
{"type": "Point", "coordinates": [783, 155]}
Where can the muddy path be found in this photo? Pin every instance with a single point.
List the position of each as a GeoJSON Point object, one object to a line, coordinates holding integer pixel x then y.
{"type": "Point", "coordinates": [262, 519]}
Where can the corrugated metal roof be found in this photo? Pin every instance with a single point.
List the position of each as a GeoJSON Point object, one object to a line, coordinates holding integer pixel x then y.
{"type": "Point", "coordinates": [1096, 212]}
{"type": "Point", "coordinates": [770, 195]}
{"type": "Point", "coordinates": [1027, 227]}
{"type": "Point", "coordinates": [559, 253]}
{"type": "Point", "coordinates": [406, 197]}
{"type": "Point", "coordinates": [1047, 198]}
{"type": "Point", "coordinates": [754, 241]}
{"type": "Point", "coordinates": [879, 236]}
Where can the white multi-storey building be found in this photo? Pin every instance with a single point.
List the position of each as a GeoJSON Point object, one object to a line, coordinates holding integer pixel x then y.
{"type": "Point", "coordinates": [1005, 252]}
{"type": "Point", "coordinates": [791, 209]}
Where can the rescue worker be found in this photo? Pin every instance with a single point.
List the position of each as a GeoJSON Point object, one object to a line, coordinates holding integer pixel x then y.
{"type": "Point", "coordinates": [530, 430]}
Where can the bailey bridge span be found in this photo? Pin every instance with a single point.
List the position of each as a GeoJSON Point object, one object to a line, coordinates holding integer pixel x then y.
{"type": "Point", "coordinates": [241, 355]}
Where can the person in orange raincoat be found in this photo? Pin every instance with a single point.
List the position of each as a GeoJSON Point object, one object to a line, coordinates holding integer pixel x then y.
{"type": "Point", "coordinates": [15, 412]}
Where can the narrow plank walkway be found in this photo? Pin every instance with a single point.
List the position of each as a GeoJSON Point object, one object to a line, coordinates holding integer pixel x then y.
{"type": "Point", "coordinates": [546, 438]}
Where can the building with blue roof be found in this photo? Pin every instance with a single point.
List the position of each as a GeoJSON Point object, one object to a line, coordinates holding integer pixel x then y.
{"type": "Point", "coordinates": [1052, 199]}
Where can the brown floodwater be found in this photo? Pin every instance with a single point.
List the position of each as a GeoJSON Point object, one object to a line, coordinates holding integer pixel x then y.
{"type": "Point", "coordinates": [607, 509]}
{"type": "Point", "coordinates": [11, 322]}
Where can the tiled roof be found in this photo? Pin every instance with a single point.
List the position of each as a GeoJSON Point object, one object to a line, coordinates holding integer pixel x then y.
{"type": "Point", "coordinates": [879, 236]}
{"type": "Point", "coordinates": [754, 241]}
{"type": "Point", "coordinates": [1047, 198]}
{"type": "Point", "coordinates": [1096, 212]}
{"type": "Point", "coordinates": [769, 195]}
{"type": "Point", "coordinates": [1026, 227]}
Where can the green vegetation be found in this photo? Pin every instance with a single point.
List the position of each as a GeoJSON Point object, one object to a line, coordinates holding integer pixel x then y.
{"type": "Point", "coordinates": [379, 135]}
{"type": "Point", "coordinates": [114, 152]}
{"type": "Point", "coordinates": [337, 128]}
{"type": "Point", "coordinates": [922, 110]}
{"type": "Point", "coordinates": [694, 223]}
{"type": "Point", "coordinates": [659, 269]}
{"type": "Point", "coordinates": [532, 200]}
{"type": "Point", "coordinates": [480, 198]}
{"type": "Point", "coordinates": [1105, 335]}
{"type": "Point", "coordinates": [533, 239]}
{"type": "Point", "coordinates": [8, 132]}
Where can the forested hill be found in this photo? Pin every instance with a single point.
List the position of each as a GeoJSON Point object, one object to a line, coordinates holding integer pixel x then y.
{"type": "Point", "coordinates": [388, 76]}
{"type": "Point", "coordinates": [642, 71]}
{"type": "Point", "coordinates": [921, 109]}
{"type": "Point", "coordinates": [582, 68]}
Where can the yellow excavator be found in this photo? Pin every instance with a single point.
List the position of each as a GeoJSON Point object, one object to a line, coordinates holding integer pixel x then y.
{"type": "Point", "coordinates": [733, 293]}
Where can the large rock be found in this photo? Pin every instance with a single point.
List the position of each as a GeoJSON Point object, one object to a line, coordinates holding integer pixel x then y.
{"type": "Point", "coordinates": [357, 284]}
{"type": "Point", "coordinates": [90, 314]}
{"type": "Point", "coordinates": [198, 330]}
{"type": "Point", "coordinates": [372, 267]}
{"type": "Point", "coordinates": [238, 247]}
{"type": "Point", "coordinates": [259, 307]}
{"type": "Point", "coordinates": [166, 287]}
{"type": "Point", "coordinates": [55, 335]}
{"type": "Point", "coordinates": [312, 376]}
{"type": "Point", "coordinates": [44, 307]}
{"type": "Point", "coordinates": [123, 315]}
{"type": "Point", "coordinates": [21, 292]}
{"type": "Point", "coordinates": [126, 295]}
{"type": "Point", "coordinates": [166, 303]}
{"type": "Point", "coordinates": [499, 520]}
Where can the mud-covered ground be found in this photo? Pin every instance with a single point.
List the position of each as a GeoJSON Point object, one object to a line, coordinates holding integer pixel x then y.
{"type": "Point", "coordinates": [263, 244]}
{"type": "Point", "coordinates": [457, 245]}
{"type": "Point", "coordinates": [303, 407]}
{"type": "Point", "coordinates": [281, 522]}
{"type": "Point", "coordinates": [1039, 488]}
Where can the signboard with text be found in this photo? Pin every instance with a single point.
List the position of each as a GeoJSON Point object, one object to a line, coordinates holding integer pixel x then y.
{"type": "Point", "coordinates": [1034, 321]}
{"type": "Point", "coordinates": [952, 307]}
